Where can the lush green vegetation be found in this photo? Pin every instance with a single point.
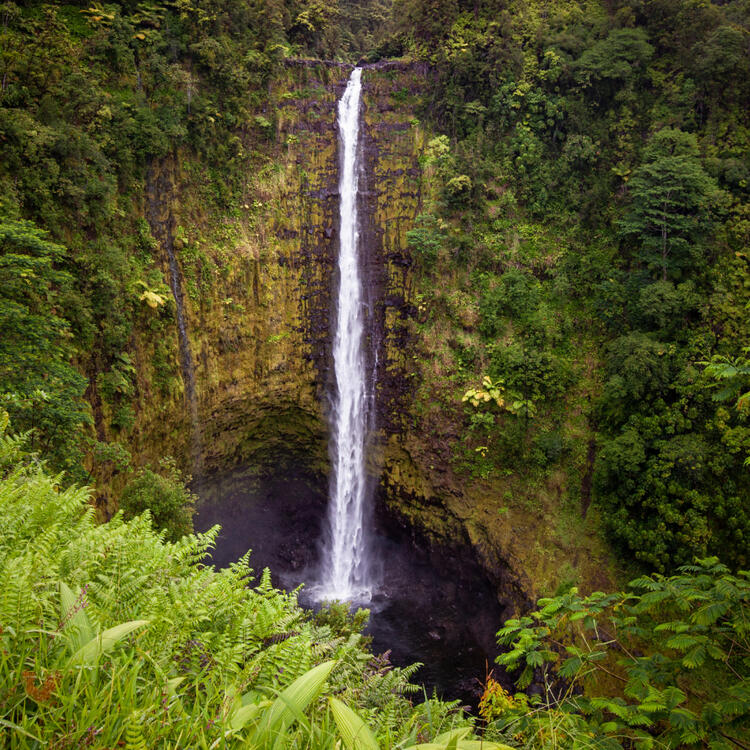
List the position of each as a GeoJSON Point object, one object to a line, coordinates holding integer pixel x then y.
{"type": "Point", "coordinates": [589, 207]}
{"type": "Point", "coordinates": [164, 496]}
{"type": "Point", "coordinates": [93, 98]}
{"type": "Point", "coordinates": [111, 636]}
{"type": "Point", "coordinates": [665, 664]}
{"type": "Point", "coordinates": [583, 291]}
{"type": "Point", "coordinates": [40, 387]}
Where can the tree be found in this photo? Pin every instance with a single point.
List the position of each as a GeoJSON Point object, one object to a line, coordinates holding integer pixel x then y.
{"type": "Point", "coordinates": [732, 377]}
{"type": "Point", "coordinates": [425, 240]}
{"type": "Point", "coordinates": [615, 59]}
{"type": "Point", "coordinates": [41, 390]}
{"type": "Point", "coordinates": [671, 195]}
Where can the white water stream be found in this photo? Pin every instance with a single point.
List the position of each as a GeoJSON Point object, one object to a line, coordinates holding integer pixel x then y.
{"type": "Point", "coordinates": [345, 569]}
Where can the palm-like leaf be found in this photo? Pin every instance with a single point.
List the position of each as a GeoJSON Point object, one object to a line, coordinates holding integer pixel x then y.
{"type": "Point", "coordinates": [90, 652]}
{"type": "Point", "coordinates": [354, 732]}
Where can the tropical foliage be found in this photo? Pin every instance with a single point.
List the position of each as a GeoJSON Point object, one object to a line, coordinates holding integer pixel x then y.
{"type": "Point", "coordinates": [665, 664]}
{"type": "Point", "coordinates": [113, 637]}
{"type": "Point", "coordinates": [580, 269]}
{"type": "Point", "coordinates": [583, 242]}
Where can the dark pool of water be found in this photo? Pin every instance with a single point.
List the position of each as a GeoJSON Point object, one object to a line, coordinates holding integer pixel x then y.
{"type": "Point", "coordinates": [433, 606]}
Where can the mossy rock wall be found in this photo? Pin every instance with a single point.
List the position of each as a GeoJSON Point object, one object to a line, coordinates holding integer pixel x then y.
{"type": "Point", "coordinates": [393, 141]}
{"type": "Point", "coordinates": [256, 279]}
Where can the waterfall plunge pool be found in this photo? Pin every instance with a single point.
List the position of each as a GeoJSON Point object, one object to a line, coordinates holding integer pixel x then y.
{"type": "Point", "coordinates": [434, 606]}
{"type": "Point", "coordinates": [428, 604]}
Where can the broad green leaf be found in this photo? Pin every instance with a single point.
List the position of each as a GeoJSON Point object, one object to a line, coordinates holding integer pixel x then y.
{"type": "Point", "coordinates": [453, 734]}
{"type": "Point", "coordinates": [354, 732]}
{"type": "Point", "coordinates": [245, 714]}
{"type": "Point", "coordinates": [173, 684]}
{"type": "Point", "coordinates": [75, 621]}
{"type": "Point", "coordinates": [292, 701]}
{"type": "Point", "coordinates": [100, 644]}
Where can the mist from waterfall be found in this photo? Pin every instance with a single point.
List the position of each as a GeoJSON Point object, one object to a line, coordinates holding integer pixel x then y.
{"type": "Point", "coordinates": [345, 568]}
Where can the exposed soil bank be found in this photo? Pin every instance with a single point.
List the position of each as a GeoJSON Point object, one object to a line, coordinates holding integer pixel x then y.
{"type": "Point", "coordinates": [435, 604]}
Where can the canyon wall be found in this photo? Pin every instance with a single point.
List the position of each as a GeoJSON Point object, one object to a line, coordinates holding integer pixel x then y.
{"type": "Point", "coordinates": [247, 384]}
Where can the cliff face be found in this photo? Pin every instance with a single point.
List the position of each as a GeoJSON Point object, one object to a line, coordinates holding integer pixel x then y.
{"type": "Point", "coordinates": [243, 380]}
{"type": "Point", "coordinates": [245, 376]}
{"type": "Point", "coordinates": [392, 196]}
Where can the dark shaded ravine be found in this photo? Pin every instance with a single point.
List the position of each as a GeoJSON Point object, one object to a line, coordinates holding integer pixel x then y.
{"type": "Point", "coordinates": [436, 605]}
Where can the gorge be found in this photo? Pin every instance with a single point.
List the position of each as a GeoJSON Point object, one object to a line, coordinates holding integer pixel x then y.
{"type": "Point", "coordinates": [439, 309]}
{"type": "Point", "coordinates": [349, 551]}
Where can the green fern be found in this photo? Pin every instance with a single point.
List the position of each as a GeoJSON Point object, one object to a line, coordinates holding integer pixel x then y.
{"type": "Point", "coordinates": [110, 636]}
{"type": "Point", "coordinates": [134, 736]}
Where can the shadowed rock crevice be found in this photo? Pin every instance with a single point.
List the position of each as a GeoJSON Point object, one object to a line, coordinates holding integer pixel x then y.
{"type": "Point", "coordinates": [159, 199]}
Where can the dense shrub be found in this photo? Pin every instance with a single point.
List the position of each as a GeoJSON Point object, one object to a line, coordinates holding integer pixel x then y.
{"type": "Point", "coordinates": [165, 496]}
{"type": "Point", "coordinates": [677, 648]}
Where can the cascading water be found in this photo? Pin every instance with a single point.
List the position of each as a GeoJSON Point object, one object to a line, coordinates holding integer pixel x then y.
{"type": "Point", "coordinates": [346, 570]}
{"type": "Point", "coordinates": [418, 592]}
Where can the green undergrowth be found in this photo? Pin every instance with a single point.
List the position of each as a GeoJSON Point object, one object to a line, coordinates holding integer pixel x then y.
{"type": "Point", "coordinates": [112, 636]}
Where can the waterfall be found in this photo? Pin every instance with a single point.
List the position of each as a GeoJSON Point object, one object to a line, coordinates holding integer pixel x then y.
{"type": "Point", "coordinates": [345, 572]}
